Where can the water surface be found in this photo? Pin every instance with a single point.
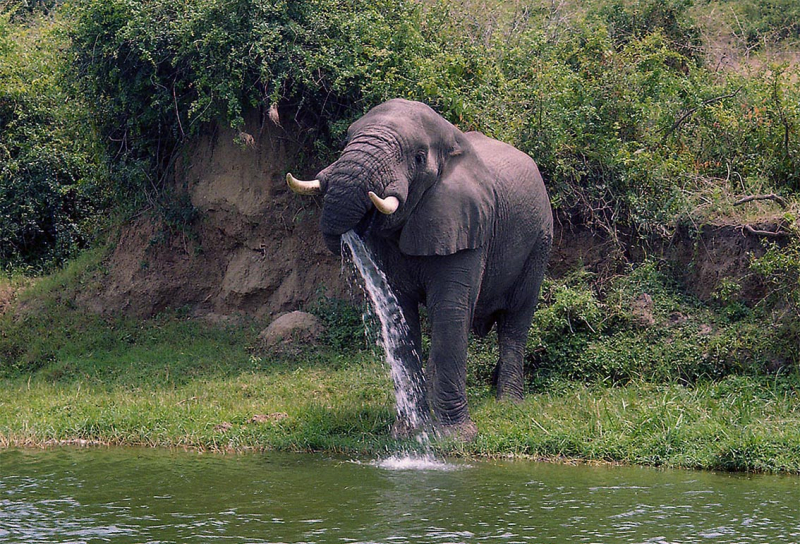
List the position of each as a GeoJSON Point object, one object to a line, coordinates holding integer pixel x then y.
{"type": "Point", "coordinates": [130, 495]}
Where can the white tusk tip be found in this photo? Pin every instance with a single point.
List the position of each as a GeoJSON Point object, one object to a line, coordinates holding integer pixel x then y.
{"type": "Point", "coordinates": [303, 187]}
{"type": "Point", "coordinates": [386, 206]}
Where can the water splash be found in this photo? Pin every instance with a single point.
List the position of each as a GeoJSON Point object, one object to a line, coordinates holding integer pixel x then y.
{"type": "Point", "coordinates": [396, 339]}
{"type": "Point", "coordinates": [425, 461]}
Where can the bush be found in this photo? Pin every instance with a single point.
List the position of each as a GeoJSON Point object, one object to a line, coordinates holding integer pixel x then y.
{"type": "Point", "coordinates": [768, 20]}
{"type": "Point", "coordinates": [159, 70]}
{"type": "Point", "coordinates": [633, 20]}
{"type": "Point", "coordinates": [51, 188]}
{"type": "Point", "coordinates": [614, 103]}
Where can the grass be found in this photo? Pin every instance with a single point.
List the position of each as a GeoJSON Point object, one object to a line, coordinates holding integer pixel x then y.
{"type": "Point", "coordinates": [346, 407]}
{"type": "Point", "coordinates": [306, 409]}
{"type": "Point", "coordinates": [177, 383]}
{"type": "Point", "coordinates": [734, 424]}
{"type": "Point", "coordinates": [71, 377]}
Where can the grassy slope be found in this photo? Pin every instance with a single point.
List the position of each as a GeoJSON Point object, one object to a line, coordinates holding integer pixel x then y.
{"type": "Point", "coordinates": [345, 405]}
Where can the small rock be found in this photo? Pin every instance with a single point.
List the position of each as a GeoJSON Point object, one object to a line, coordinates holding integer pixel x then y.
{"type": "Point", "coordinates": [705, 329]}
{"type": "Point", "coordinates": [294, 327]}
{"type": "Point", "coordinates": [642, 310]}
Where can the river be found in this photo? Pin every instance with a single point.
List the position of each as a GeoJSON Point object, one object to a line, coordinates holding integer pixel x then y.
{"type": "Point", "coordinates": [155, 496]}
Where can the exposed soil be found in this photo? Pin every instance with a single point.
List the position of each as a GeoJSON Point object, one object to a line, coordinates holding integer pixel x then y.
{"type": "Point", "coordinates": [701, 259]}
{"type": "Point", "coordinates": [254, 247]}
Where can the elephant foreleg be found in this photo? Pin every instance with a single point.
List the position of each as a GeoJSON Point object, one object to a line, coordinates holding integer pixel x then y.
{"type": "Point", "coordinates": [413, 412]}
{"type": "Point", "coordinates": [452, 295]}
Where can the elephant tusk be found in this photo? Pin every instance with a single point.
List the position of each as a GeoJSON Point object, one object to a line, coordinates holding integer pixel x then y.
{"type": "Point", "coordinates": [386, 206]}
{"type": "Point", "coordinates": [303, 187]}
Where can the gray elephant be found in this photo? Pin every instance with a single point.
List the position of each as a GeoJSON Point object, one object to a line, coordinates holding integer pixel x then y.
{"type": "Point", "coordinates": [460, 223]}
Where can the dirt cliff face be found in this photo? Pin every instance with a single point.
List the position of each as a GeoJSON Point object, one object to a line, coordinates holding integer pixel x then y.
{"type": "Point", "coordinates": [253, 248]}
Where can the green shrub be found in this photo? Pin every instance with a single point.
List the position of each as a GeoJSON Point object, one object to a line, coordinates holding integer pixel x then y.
{"type": "Point", "coordinates": [613, 103]}
{"type": "Point", "coordinates": [51, 176]}
{"type": "Point", "coordinates": [764, 21]}
{"type": "Point", "coordinates": [633, 20]}
{"type": "Point", "coordinates": [344, 322]}
{"type": "Point", "coordinates": [161, 69]}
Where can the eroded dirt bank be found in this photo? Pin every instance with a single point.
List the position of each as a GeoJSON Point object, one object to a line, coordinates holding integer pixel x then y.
{"type": "Point", "coordinates": [253, 247]}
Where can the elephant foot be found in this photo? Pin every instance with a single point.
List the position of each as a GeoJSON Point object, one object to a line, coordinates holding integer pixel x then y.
{"type": "Point", "coordinates": [512, 395]}
{"type": "Point", "coordinates": [461, 432]}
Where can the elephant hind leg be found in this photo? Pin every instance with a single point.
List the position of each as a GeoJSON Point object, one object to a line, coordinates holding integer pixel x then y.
{"type": "Point", "coordinates": [513, 327]}
{"type": "Point", "coordinates": [508, 376]}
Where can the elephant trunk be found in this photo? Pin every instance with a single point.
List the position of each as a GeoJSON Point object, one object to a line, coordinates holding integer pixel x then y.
{"type": "Point", "coordinates": [349, 180]}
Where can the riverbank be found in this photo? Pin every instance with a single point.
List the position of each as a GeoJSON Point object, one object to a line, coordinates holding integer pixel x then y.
{"type": "Point", "coordinates": [190, 385]}
{"type": "Point", "coordinates": [692, 388]}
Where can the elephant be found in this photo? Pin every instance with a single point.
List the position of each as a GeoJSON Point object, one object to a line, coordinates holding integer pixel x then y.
{"type": "Point", "coordinates": [460, 223]}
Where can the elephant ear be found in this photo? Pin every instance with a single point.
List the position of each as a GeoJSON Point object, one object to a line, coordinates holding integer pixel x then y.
{"type": "Point", "coordinates": [454, 214]}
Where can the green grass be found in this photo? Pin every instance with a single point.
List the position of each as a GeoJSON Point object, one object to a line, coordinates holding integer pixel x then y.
{"type": "Point", "coordinates": [173, 382]}
{"type": "Point", "coordinates": [602, 387]}
{"type": "Point", "coordinates": [308, 409]}
{"type": "Point", "coordinates": [345, 405]}
{"type": "Point", "coordinates": [733, 424]}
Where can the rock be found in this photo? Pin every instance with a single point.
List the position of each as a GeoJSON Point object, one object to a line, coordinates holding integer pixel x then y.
{"type": "Point", "coordinates": [642, 310]}
{"type": "Point", "coordinates": [291, 328]}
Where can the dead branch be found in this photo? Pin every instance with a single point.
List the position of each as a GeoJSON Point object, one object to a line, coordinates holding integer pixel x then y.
{"type": "Point", "coordinates": [765, 233]}
{"type": "Point", "coordinates": [772, 196]}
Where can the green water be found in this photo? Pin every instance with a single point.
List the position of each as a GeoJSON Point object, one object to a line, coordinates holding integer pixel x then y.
{"type": "Point", "coordinates": [120, 496]}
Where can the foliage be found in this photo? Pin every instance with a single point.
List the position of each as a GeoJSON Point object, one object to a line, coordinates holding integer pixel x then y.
{"type": "Point", "coordinates": [161, 69]}
{"type": "Point", "coordinates": [51, 180]}
{"type": "Point", "coordinates": [613, 101]}
{"type": "Point", "coordinates": [642, 326]}
{"type": "Point", "coordinates": [20, 9]}
{"type": "Point", "coordinates": [344, 322]}
{"type": "Point", "coordinates": [635, 20]}
{"type": "Point", "coordinates": [764, 21]}
{"type": "Point", "coordinates": [780, 266]}
{"type": "Point", "coordinates": [628, 125]}
{"type": "Point", "coordinates": [737, 423]}
{"type": "Point", "coordinates": [624, 131]}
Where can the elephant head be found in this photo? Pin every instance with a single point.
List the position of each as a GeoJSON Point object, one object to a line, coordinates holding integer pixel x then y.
{"type": "Point", "coordinates": [405, 173]}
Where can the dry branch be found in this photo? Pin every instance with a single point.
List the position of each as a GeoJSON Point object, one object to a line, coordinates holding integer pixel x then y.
{"type": "Point", "coordinates": [765, 233]}
{"type": "Point", "coordinates": [688, 113]}
{"type": "Point", "coordinates": [772, 196]}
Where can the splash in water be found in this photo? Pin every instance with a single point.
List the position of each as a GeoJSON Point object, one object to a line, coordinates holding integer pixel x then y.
{"type": "Point", "coordinates": [426, 461]}
{"type": "Point", "coordinates": [395, 337]}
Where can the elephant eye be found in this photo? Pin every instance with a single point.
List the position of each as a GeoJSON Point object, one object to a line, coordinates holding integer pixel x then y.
{"type": "Point", "coordinates": [420, 158]}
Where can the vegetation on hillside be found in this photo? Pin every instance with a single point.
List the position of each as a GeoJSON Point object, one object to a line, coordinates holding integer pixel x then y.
{"type": "Point", "coordinates": [633, 127]}
{"type": "Point", "coordinates": [177, 382]}
{"type": "Point", "coordinates": [53, 186]}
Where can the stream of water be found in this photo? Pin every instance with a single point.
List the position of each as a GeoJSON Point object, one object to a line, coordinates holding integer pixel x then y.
{"type": "Point", "coordinates": [395, 337]}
